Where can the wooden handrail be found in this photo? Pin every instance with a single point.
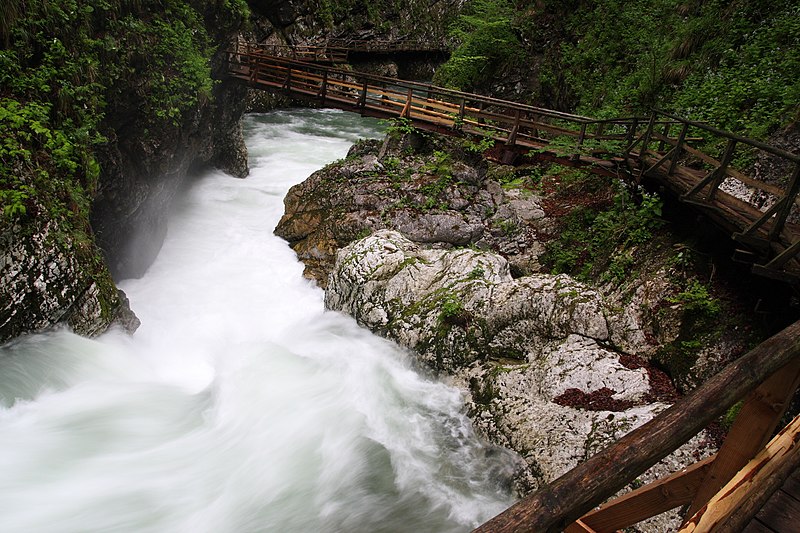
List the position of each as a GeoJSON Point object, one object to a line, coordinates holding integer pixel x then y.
{"type": "Point", "coordinates": [728, 135]}
{"type": "Point", "coordinates": [569, 497]}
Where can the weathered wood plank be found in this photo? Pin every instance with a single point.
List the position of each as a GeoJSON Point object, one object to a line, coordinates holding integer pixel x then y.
{"type": "Point", "coordinates": [652, 499]}
{"type": "Point", "coordinates": [754, 526]}
{"type": "Point", "coordinates": [752, 429]}
{"type": "Point", "coordinates": [781, 513]}
{"type": "Point", "coordinates": [741, 498]}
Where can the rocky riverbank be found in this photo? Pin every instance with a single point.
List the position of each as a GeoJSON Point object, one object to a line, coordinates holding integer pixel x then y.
{"type": "Point", "coordinates": [426, 242]}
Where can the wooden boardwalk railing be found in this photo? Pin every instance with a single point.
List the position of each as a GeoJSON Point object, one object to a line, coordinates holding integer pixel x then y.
{"type": "Point", "coordinates": [769, 374]}
{"type": "Point", "coordinates": [337, 51]}
{"type": "Point", "coordinates": [661, 147]}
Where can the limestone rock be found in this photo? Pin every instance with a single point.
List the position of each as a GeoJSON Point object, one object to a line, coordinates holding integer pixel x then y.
{"type": "Point", "coordinates": [535, 353]}
{"type": "Point", "coordinates": [452, 305]}
{"type": "Point", "coordinates": [46, 280]}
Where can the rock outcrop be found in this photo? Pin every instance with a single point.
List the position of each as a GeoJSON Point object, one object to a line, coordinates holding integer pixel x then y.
{"type": "Point", "coordinates": [144, 169]}
{"type": "Point", "coordinates": [58, 250]}
{"type": "Point", "coordinates": [536, 354]}
{"type": "Point", "coordinates": [425, 242]}
{"type": "Point", "coordinates": [47, 279]}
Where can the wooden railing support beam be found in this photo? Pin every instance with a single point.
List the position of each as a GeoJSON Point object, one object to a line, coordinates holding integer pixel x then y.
{"type": "Point", "coordinates": [786, 208]}
{"type": "Point", "coordinates": [676, 154]}
{"type": "Point", "coordinates": [650, 500]}
{"type": "Point", "coordinates": [752, 429]}
{"type": "Point", "coordinates": [740, 499]}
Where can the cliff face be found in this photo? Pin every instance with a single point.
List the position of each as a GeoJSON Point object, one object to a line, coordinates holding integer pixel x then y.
{"type": "Point", "coordinates": [144, 169]}
{"type": "Point", "coordinates": [104, 114]}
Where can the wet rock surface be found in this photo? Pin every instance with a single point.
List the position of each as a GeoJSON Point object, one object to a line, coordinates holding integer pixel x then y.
{"type": "Point", "coordinates": [424, 243]}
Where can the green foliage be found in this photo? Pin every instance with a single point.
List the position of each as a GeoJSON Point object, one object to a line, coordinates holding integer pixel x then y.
{"type": "Point", "coordinates": [452, 309]}
{"type": "Point", "coordinates": [399, 126]}
{"type": "Point", "coordinates": [478, 145]}
{"type": "Point", "coordinates": [595, 243]}
{"type": "Point", "coordinates": [487, 41]}
{"type": "Point", "coordinates": [65, 64]}
{"type": "Point", "coordinates": [730, 415]}
{"type": "Point", "coordinates": [754, 87]}
{"type": "Point", "coordinates": [733, 64]}
{"type": "Point", "coordinates": [477, 273]}
{"type": "Point", "coordinates": [696, 299]}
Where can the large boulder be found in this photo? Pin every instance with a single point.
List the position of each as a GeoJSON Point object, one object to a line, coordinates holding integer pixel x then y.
{"type": "Point", "coordinates": [536, 354]}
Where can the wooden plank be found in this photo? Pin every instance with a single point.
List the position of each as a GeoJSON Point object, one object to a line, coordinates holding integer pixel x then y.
{"type": "Point", "coordinates": [578, 526]}
{"type": "Point", "coordinates": [781, 513]}
{"type": "Point", "coordinates": [578, 491]}
{"type": "Point", "coordinates": [740, 499]}
{"type": "Point", "coordinates": [756, 527]}
{"type": "Point", "coordinates": [652, 499]}
{"type": "Point", "coordinates": [753, 427]}
{"type": "Point", "coordinates": [792, 485]}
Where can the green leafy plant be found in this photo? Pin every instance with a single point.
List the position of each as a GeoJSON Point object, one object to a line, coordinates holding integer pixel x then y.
{"type": "Point", "coordinates": [695, 298]}
{"type": "Point", "coordinates": [399, 126]}
{"type": "Point", "coordinates": [599, 243]}
{"type": "Point", "coordinates": [487, 41]}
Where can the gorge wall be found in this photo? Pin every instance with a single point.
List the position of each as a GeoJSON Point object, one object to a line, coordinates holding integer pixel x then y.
{"type": "Point", "coordinates": [106, 106]}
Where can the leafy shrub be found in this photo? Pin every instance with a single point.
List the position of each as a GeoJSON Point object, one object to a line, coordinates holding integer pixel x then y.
{"type": "Point", "coordinates": [595, 243]}
{"type": "Point", "coordinates": [487, 41]}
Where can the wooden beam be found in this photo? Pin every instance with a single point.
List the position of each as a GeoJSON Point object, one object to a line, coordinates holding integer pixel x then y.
{"type": "Point", "coordinates": [678, 148]}
{"type": "Point", "coordinates": [578, 491]}
{"type": "Point", "coordinates": [752, 429]}
{"type": "Point", "coordinates": [786, 208]}
{"type": "Point", "coordinates": [578, 526]}
{"type": "Point", "coordinates": [650, 500]}
{"type": "Point", "coordinates": [739, 500]}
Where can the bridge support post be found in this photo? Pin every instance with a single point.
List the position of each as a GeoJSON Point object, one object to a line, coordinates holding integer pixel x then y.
{"type": "Point", "coordinates": [323, 90]}
{"type": "Point", "coordinates": [647, 134]}
{"type": "Point", "coordinates": [786, 208]}
{"type": "Point", "coordinates": [678, 149]}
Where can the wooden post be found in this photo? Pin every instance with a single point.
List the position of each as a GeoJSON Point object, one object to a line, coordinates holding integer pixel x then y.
{"type": "Point", "coordinates": [650, 500]}
{"type": "Point", "coordinates": [719, 172]}
{"type": "Point", "coordinates": [665, 133]}
{"type": "Point", "coordinates": [786, 208]}
{"type": "Point", "coordinates": [512, 136]}
{"type": "Point", "coordinates": [578, 491]}
{"type": "Point", "coordinates": [323, 91]}
{"type": "Point", "coordinates": [716, 176]}
{"type": "Point", "coordinates": [629, 137]}
{"type": "Point", "coordinates": [678, 149]}
{"type": "Point", "coordinates": [406, 112]}
{"type": "Point", "coordinates": [460, 121]}
{"type": "Point", "coordinates": [581, 136]}
{"type": "Point", "coordinates": [287, 85]}
{"type": "Point", "coordinates": [362, 100]}
{"type": "Point", "coordinates": [753, 482]}
{"type": "Point", "coordinates": [647, 134]}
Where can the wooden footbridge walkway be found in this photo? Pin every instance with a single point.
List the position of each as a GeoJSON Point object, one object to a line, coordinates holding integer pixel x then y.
{"type": "Point", "coordinates": [752, 484]}
{"type": "Point", "coordinates": [340, 51]}
{"type": "Point", "coordinates": [664, 148]}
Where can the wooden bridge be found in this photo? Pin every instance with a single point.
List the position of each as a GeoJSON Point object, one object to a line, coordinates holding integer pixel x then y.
{"type": "Point", "coordinates": [664, 148]}
{"type": "Point", "coordinates": [338, 51]}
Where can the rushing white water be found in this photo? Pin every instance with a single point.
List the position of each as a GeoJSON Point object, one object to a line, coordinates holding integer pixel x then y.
{"type": "Point", "coordinates": [240, 404]}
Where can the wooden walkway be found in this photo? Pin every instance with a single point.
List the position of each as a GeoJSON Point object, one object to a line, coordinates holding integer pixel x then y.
{"type": "Point", "coordinates": [664, 148]}
{"type": "Point", "coordinates": [338, 51]}
{"type": "Point", "coordinates": [781, 513]}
